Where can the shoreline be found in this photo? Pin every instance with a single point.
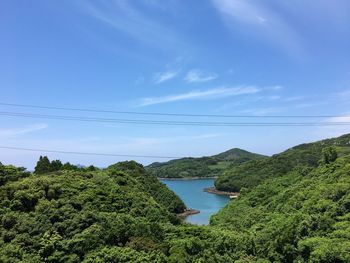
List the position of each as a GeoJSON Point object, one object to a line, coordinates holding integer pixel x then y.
{"type": "Point", "coordinates": [187, 213]}
{"type": "Point", "coordinates": [186, 178]}
{"type": "Point", "coordinates": [213, 190]}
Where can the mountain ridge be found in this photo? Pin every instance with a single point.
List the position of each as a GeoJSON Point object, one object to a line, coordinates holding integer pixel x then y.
{"type": "Point", "coordinates": [123, 214]}
{"type": "Point", "coordinates": [254, 172]}
{"type": "Point", "coordinates": [203, 167]}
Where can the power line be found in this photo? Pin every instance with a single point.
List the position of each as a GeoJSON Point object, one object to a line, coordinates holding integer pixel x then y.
{"type": "Point", "coordinates": [166, 114]}
{"type": "Point", "coordinates": [89, 153]}
{"type": "Point", "coordinates": [160, 122]}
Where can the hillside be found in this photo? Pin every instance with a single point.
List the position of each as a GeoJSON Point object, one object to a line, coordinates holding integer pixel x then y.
{"type": "Point", "coordinates": [302, 216]}
{"type": "Point", "coordinates": [252, 173]}
{"type": "Point", "coordinates": [64, 216]}
{"type": "Point", "coordinates": [210, 166]}
{"type": "Point", "coordinates": [123, 214]}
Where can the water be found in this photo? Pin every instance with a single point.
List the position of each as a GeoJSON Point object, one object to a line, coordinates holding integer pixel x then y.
{"type": "Point", "coordinates": [191, 192]}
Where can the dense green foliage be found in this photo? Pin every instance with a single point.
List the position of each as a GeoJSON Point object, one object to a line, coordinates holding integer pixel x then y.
{"type": "Point", "coordinates": [303, 216]}
{"type": "Point", "coordinates": [45, 166]}
{"type": "Point", "coordinates": [124, 214]}
{"type": "Point", "coordinates": [202, 167]}
{"type": "Point", "coordinates": [152, 185]}
{"type": "Point", "coordinates": [329, 155]}
{"type": "Point", "coordinates": [64, 216]}
{"type": "Point", "coordinates": [9, 173]}
{"type": "Point", "coordinates": [252, 173]}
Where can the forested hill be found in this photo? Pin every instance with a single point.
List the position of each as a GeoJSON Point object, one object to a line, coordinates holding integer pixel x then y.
{"type": "Point", "coordinates": [301, 216]}
{"type": "Point", "coordinates": [210, 166]}
{"type": "Point", "coordinates": [67, 215]}
{"type": "Point", "coordinates": [252, 173]}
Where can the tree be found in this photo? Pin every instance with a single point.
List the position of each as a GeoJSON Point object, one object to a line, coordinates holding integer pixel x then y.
{"type": "Point", "coordinates": [43, 165]}
{"type": "Point", "coordinates": [56, 165]}
{"type": "Point", "coordinates": [91, 168]}
{"type": "Point", "coordinates": [329, 154]}
{"type": "Point", "coordinates": [69, 166]}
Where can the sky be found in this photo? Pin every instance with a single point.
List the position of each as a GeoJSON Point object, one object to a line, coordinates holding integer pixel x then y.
{"type": "Point", "coordinates": [218, 57]}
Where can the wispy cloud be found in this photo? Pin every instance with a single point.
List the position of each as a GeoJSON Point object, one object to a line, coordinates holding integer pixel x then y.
{"type": "Point", "coordinates": [267, 98]}
{"type": "Point", "coordinates": [259, 20]}
{"type": "Point", "coordinates": [336, 130]}
{"type": "Point", "coordinates": [165, 76]}
{"type": "Point", "coordinates": [20, 131]}
{"type": "Point", "coordinates": [201, 94]}
{"type": "Point", "coordinates": [275, 88]}
{"type": "Point", "coordinates": [294, 98]}
{"type": "Point", "coordinates": [344, 95]}
{"type": "Point", "coordinates": [147, 141]}
{"type": "Point", "coordinates": [196, 75]}
{"type": "Point", "coordinates": [309, 105]}
{"type": "Point", "coordinates": [261, 111]}
{"type": "Point", "coordinates": [127, 17]}
{"type": "Point", "coordinates": [339, 119]}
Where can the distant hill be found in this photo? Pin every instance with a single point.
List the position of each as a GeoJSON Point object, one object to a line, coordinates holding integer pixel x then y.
{"type": "Point", "coordinates": [210, 166]}
{"type": "Point", "coordinates": [252, 173]}
{"type": "Point", "coordinates": [300, 216]}
{"type": "Point", "coordinates": [297, 209]}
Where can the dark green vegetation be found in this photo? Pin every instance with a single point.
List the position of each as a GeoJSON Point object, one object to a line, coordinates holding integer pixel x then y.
{"type": "Point", "coordinates": [302, 216]}
{"type": "Point", "coordinates": [45, 166]}
{"type": "Point", "coordinates": [211, 166]}
{"type": "Point", "coordinates": [11, 173]}
{"type": "Point", "coordinates": [252, 173]}
{"type": "Point", "coordinates": [69, 215]}
{"type": "Point", "coordinates": [123, 214]}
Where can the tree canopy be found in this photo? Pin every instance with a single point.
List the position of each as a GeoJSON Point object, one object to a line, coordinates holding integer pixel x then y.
{"type": "Point", "coordinates": [299, 213]}
{"type": "Point", "coordinates": [211, 166]}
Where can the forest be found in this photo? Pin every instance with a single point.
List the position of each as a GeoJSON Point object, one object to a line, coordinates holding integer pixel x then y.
{"type": "Point", "coordinates": [210, 166]}
{"type": "Point", "coordinates": [300, 213]}
{"type": "Point", "coordinates": [252, 173]}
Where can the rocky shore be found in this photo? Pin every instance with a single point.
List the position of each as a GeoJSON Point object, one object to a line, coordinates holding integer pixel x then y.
{"type": "Point", "coordinates": [185, 178]}
{"type": "Point", "coordinates": [213, 190]}
{"type": "Point", "coordinates": [188, 212]}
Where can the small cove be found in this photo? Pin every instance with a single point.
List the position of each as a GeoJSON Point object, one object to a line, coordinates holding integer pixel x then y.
{"type": "Point", "coordinates": [191, 192]}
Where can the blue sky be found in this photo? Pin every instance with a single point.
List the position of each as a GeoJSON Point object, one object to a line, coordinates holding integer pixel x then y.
{"type": "Point", "coordinates": [239, 57]}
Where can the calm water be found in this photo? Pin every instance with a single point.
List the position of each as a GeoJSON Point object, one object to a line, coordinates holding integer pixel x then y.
{"type": "Point", "coordinates": [191, 192]}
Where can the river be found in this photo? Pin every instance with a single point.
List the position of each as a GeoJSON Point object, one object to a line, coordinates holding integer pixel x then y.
{"type": "Point", "coordinates": [191, 192]}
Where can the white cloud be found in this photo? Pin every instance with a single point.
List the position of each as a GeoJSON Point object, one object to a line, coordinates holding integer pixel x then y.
{"type": "Point", "coordinates": [295, 98]}
{"type": "Point", "coordinates": [333, 130]}
{"type": "Point", "coordinates": [256, 19]}
{"type": "Point", "coordinates": [261, 111]}
{"type": "Point", "coordinates": [20, 131]}
{"type": "Point", "coordinates": [267, 98]}
{"type": "Point", "coordinates": [165, 76]}
{"type": "Point", "coordinates": [243, 11]}
{"type": "Point", "coordinates": [128, 17]}
{"type": "Point", "coordinates": [201, 94]}
{"type": "Point", "coordinates": [276, 88]}
{"type": "Point", "coordinates": [196, 75]}
{"type": "Point", "coordinates": [309, 105]}
{"type": "Point", "coordinates": [339, 119]}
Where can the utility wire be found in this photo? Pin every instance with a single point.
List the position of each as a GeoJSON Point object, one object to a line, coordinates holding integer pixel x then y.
{"type": "Point", "coordinates": [89, 153]}
{"type": "Point", "coordinates": [166, 114]}
{"type": "Point", "coordinates": [160, 122]}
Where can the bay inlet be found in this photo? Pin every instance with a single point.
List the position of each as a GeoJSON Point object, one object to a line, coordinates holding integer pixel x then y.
{"type": "Point", "coordinates": [191, 192]}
